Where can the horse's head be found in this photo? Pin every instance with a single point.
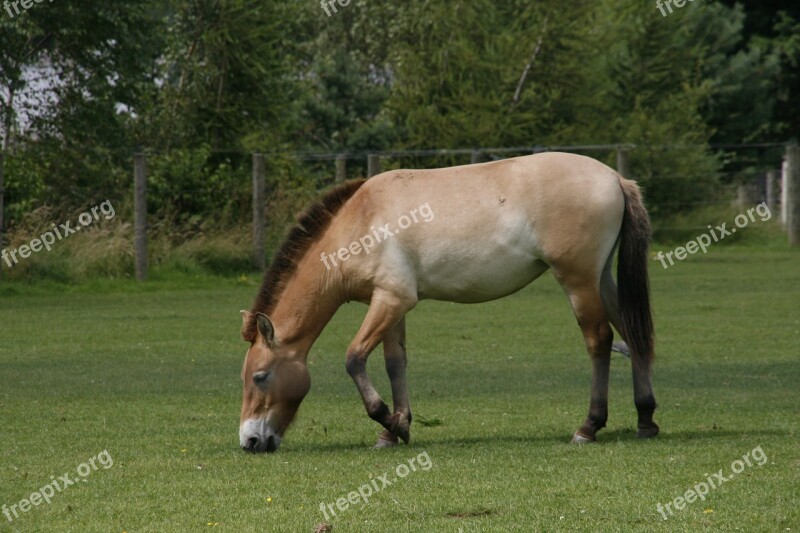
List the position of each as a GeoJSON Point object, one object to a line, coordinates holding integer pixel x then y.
{"type": "Point", "coordinates": [275, 382]}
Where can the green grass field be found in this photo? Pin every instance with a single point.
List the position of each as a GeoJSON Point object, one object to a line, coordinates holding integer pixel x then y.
{"type": "Point", "coordinates": [151, 374]}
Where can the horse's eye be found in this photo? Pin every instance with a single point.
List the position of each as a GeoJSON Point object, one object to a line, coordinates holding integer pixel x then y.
{"type": "Point", "coordinates": [260, 377]}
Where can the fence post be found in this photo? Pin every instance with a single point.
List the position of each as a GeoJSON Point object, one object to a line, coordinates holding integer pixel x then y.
{"type": "Point", "coordinates": [772, 190]}
{"type": "Point", "coordinates": [784, 199]}
{"type": "Point", "coordinates": [792, 185]}
{"type": "Point", "coordinates": [341, 168]}
{"type": "Point", "coordinates": [2, 196]}
{"type": "Point", "coordinates": [373, 165]}
{"type": "Point", "coordinates": [259, 227]}
{"type": "Point", "coordinates": [476, 157]}
{"type": "Point", "coordinates": [140, 217]}
{"type": "Point", "coordinates": [742, 197]}
{"type": "Point", "coordinates": [623, 162]}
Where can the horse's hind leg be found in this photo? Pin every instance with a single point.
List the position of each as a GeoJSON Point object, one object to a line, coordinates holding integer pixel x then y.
{"type": "Point", "coordinates": [394, 353]}
{"type": "Point", "coordinates": [588, 307]}
{"type": "Point", "coordinates": [642, 384]}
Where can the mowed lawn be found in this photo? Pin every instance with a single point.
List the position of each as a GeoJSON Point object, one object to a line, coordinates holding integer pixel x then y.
{"type": "Point", "coordinates": [151, 375]}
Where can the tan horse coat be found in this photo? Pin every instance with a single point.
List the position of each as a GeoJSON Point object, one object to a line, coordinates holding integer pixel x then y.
{"type": "Point", "coordinates": [463, 234]}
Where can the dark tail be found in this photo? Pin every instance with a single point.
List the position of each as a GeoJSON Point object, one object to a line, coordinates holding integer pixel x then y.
{"type": "Point", "coordinates": [632, 280]}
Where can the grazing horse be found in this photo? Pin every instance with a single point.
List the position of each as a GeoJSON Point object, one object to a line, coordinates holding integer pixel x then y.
{"type": "Point", "coordinates": [465, 234]}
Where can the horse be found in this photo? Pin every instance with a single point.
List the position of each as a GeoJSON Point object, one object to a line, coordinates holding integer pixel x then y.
{"type": "Point", "coordinates": [465, 234]}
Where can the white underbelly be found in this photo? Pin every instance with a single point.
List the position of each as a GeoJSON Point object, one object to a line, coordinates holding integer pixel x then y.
{"type": "Point", "coordinates": [479, 270]}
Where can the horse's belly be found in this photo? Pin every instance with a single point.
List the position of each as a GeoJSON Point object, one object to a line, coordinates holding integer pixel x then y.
{"type": "Point", "coordinates": [478, 277]}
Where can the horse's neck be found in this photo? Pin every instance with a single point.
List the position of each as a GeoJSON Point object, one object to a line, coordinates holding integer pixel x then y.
{"type": "Point", "coordinates": [304, 308]}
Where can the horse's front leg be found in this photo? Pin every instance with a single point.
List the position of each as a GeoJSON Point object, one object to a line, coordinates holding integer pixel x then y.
{"type": "Point", "coordinates": [394, 353]}
{"type": "Point", "coordinates": [385, 312]}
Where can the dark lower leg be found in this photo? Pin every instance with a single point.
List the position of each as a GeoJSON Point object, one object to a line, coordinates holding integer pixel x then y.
{"type": "Point", "coordinates": [386, 439]}
{"type": "Point", "coordinates": [598, 404]}
{"type": "Point", "coordinates": [375, 406]}
{"type": "Point", "coordinates": [401, 419]}
{"type": "Point", "coordinates": [600, 352]}
{"type": "Point", "coordinates": [395, 355]}
{"type": "Point", "coordinates": [645, 402]}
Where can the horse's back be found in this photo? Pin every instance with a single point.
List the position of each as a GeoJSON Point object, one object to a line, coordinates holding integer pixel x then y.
{"type": "Point", "coordinates": [493, 227]}
{"type": "Point", "coordinates": [551, 178]}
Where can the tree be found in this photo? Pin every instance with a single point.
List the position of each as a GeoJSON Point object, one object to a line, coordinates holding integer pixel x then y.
{"type": "Point", "coordinates": [222, 76]}
{"type": "Point", "coordinates": [484, 73]}
{"type": "Point", "coordinates": [65, 72]}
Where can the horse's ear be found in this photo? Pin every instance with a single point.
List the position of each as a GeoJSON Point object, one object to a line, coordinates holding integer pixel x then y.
{"type": "Point", "coordinates": [266, 329]}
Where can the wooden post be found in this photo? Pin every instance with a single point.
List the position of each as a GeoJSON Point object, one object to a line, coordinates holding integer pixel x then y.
{"type": "Point", "coordinates": [476, 157]}
{"type": "Point", "coordinates": [742, 197]}
{"type": "Point", "coordinates": [341, 168]}
{"type": "Point", "coordinates": [623, 162]}
{"type": "Point", "coordinates": [140, 217]}
{"type": "Point", "coordinates": [259, 227]}
{"type": "Point", "coordinates": [373, 165]}
{"type": "Point", "coordinates": [772, 190]}
{"type": "Point", "coordinates": [784, 190]}
{"type": "Point", "coordinates": [793, 194]}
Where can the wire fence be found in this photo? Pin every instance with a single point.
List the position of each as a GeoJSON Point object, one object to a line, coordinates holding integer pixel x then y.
{"type": "Point", "coordinates": [747, 182]}
{"type": "Point", "coordinates": [746, 175]}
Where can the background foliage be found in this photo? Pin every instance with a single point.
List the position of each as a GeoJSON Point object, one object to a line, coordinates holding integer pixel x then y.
{"type": "Point", "coordinates": [200, 85]}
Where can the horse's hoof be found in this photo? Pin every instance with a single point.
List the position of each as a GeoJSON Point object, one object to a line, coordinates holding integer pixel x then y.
{"type": "Point", "coordinates": [622, 348]}
{"type": "Point", "coordinates": [647, 432]}
{"type": "Point", "coordinates": [580, 438]}
{"type": "Point", "coordinates": [401, 427]}
{"type": "Point", "coordinates": [386, 440]}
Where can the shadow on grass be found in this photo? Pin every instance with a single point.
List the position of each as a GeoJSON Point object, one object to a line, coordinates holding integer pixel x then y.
{"type": "Point", "coordinates": [604, 437]}
{"type": "Point", "coordinates": [709, 433]}
{"type": "Point", "coordinates": [689, 434]}
{"type": "Point", "coordinates": [482, 441]}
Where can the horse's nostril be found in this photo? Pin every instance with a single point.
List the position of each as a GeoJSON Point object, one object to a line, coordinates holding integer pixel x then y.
{"type": "Point", "coordinates": [252, 443]}
{"type": "Point", "coordinates": [272, 445]}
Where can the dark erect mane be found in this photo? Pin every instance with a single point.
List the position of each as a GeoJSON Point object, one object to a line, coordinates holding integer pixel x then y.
{"type": "Point", "coordinates": [310, 225]}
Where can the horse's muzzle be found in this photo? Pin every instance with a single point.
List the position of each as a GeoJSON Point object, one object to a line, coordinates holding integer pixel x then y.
{"type": "Point", "coordinates": [257, 445]}
{"type": "Point", "coordinates": [255, 436]}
